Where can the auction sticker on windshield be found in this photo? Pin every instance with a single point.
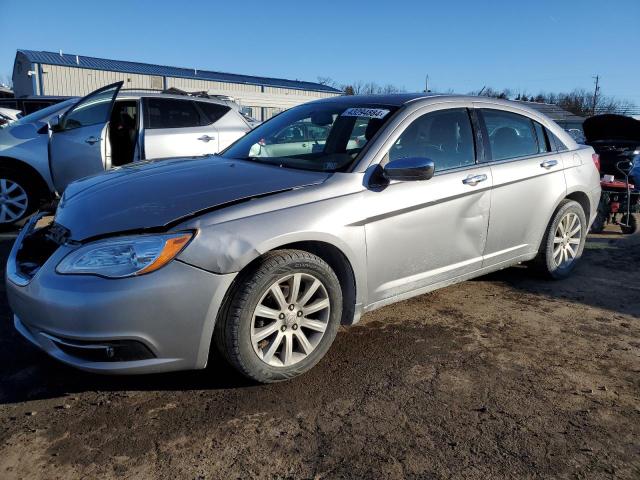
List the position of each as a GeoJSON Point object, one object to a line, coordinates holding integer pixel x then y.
{"type": "Point", "coordinates": [365, 112]}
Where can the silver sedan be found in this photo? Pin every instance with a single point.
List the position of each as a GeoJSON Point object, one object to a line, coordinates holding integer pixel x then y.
{"type": "Point", "coordinates": [327, 211]}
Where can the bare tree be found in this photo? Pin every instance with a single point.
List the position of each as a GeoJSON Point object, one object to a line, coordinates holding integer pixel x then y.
{"type": "Point", "coordinates": [328, 81]}
{"type": "Point", "coordinates": [490, 92]}
{"type": "Point", "coordinates": [579, 102]}
{"type": "Point", "coordinates": [357, 87]}
{"type": "Point", "coordinates": [369, 88]}
{"type": "Point", "coordinates": [390, 88]}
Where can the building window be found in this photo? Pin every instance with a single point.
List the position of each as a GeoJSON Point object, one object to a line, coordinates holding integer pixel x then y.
{"type": "Point", "coordinates": [156, 83]}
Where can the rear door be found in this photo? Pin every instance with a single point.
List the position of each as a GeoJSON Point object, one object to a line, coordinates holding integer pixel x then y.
{"type": "Point", "coordinates": [528, 180]}
{"type": "Point", "coordinates": [228, 123]}
{"type": "Point", "coordinates": [78, 144]}
{"type": "Point", "coordinates": [175, 127]}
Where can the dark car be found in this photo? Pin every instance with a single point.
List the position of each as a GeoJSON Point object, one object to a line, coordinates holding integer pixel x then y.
{"type": "Point", "coordinates": [28, 105]}
{"type": "Point", "coordinates": [615, 138]}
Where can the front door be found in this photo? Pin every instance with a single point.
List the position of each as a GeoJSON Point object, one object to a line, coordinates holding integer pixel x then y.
{"type": "Point", "coordinates": [422, 233]}
{"type": "Point", "coordinates": [78, 143]}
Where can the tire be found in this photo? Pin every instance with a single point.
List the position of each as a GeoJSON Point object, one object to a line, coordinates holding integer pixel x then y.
{"type": "Point", "coordinates": [19, 198]}
{"type": "Point", "coordinates": [548, 261]}
{"type": "Point", "coordinates": [241, 325]}
{"type": "Point", "coordinates": [599, 223]}
{"type": "Point", "coordinates": [633, 224]}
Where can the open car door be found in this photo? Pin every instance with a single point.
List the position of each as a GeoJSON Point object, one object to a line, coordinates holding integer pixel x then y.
{"type": "Point", "coordinates": [78, 142]}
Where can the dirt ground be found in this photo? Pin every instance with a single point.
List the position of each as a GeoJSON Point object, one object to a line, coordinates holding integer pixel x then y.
{"type": "Point", "coordinates": [507, 376]}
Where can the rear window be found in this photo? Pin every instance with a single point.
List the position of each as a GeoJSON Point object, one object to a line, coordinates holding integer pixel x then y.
{"type": "Point", "coordinates": [171, 113]}
{"type": "Point", "coordinates": [556, 144]}
{"type": "Point", "coordinates": [510, 135]}
{"type": "Point", "coordinates": [213, 111]}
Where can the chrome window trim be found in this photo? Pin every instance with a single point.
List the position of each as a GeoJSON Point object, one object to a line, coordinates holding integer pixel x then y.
{"type": "Point", "coordinates": [519, 159]}
{"type": "Point", "coordinates": [383, 141]}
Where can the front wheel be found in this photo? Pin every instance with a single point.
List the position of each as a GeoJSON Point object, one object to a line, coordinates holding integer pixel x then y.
{"type": "Point", "coordinates": [282, 316]}
{"type": "Point", "coordinates": [18, 198]}
{"type": "Point", "coordinates": [563, 242]}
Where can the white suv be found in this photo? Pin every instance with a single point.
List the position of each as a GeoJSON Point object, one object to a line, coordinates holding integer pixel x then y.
{"type": "Point", "coordinates": [108, 128]}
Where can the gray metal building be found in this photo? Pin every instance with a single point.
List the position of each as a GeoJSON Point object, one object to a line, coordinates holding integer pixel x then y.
{"type": "Point", "coordinates": [564, 118]}
{"type": "Point", "coordinates": [51, 73]}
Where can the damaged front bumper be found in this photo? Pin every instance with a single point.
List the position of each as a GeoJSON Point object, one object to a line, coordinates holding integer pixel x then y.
{"type": "Point", "coordinates": [152, 323]}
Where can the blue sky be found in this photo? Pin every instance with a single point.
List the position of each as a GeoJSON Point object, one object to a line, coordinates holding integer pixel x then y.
{"type": "Point", "coordinates": [462, 45]}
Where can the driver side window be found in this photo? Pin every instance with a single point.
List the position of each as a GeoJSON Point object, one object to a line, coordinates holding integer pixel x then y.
{"type": "Point", "coordinates": [92, 111]}
{"type": "Point", "coordinates": [444, 136]}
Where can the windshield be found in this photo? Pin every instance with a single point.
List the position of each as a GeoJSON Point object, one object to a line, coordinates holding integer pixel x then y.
{"type": "Point", "coordinates": [40, 117]}
{"type": "Point", "coordinates": [323, 137]}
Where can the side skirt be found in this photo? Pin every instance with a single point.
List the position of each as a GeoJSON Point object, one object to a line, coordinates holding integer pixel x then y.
{"type": "Point", "coordinates": [446, 283]}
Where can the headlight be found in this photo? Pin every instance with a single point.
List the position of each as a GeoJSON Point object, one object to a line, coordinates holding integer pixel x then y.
{"type": "Point", "coordinates": [125, 256]}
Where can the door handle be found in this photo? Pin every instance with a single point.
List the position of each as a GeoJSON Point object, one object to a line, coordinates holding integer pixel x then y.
{"type": "Point", "coordinates": [549, 163]}
{"type": "Point", "coordinates": [473, 180]}
{"type": "Point", "coordinates": [91, 140]}
{"type": "Point", "coordinates": [206, 138]}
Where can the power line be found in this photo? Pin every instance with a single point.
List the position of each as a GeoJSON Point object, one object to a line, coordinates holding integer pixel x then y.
{"type": "Point", "coordinates": [595, 93]}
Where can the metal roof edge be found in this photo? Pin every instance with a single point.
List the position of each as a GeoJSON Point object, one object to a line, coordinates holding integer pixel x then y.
{"type": "Point", "coordinates": [38, 56]}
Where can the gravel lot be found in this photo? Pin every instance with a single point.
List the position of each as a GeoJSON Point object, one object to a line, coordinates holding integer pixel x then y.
{"type": "Point", "coordinates": [507, 376]}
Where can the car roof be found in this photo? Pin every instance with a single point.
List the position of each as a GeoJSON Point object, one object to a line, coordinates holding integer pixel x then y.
{"type": "Point", "coordinates": [135, 94]}
{"type": "Point", "coordinates": [394, 99]}
{"type": "Point", "coordinates": [401, 99]}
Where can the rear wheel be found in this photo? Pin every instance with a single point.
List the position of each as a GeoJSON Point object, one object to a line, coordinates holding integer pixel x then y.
{"type": "Point", "coordinates": [563, 242]}
{"type": "Point", "coordinates": [282, 317]}
{"type": "Point", "coordinates": [18, 198]}
{"type": "Point", "coordinates": [629, 224]}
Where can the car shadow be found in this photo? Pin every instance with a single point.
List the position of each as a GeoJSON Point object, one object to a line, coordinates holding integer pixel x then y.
{"type": "Point", "coordinates": [606, 278]}
{"type": "Point", "coordinates": [36, 376]}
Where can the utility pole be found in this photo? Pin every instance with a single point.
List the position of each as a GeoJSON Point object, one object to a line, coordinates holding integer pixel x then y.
{"type": "Point", "coordinates": [595, 94]}
{"type": "Point", "coordinates": [426, 84]}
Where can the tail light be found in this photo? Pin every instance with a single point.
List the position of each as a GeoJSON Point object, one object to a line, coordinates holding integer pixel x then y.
{"type": "Point", "coordinates": [596, 160]}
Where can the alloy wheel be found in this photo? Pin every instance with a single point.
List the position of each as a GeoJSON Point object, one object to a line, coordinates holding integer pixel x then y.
{"type": "Point", "coordinates": [13, 201]}
{"type": "Point", "coordinates": [290, 320]}
{"type": "Point", "coordinates": [567, 238]}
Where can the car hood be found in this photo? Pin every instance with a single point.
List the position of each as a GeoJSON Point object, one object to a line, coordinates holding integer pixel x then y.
{"type": "Point", "coordinates": [152, 195]}
{"type": "Point", "coordinates": [19, 134]}
{"type": "Point", "coordinates": [611, 127]}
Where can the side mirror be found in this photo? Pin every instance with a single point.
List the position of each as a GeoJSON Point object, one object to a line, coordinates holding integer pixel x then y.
{"type": "Point", "coordinates": [55, 123]}
{"type": "Point", "coordinates": [408, 169]}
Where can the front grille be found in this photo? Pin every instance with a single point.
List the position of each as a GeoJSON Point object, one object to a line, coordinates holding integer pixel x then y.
{"type": "Point", "coordinates": [37, 246]}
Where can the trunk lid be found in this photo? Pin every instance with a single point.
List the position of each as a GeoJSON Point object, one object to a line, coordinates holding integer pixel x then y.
{"type": "Point", "coordinates": [614, 138]}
